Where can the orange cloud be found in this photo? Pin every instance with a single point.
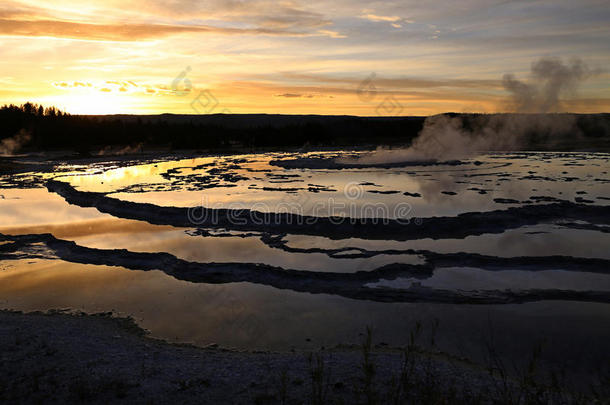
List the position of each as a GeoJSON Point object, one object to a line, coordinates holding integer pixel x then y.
{"type": "Point", "coordinates": [125, 32]}
{"type": "Point", "coordinates": [112, 86]}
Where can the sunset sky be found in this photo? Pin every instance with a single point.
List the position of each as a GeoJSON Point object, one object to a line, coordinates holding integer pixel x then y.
{"type": "Point", "coordinates": [422, 57]}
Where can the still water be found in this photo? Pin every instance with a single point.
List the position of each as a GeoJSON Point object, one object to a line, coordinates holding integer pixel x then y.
{"type": "Point", "coordinates": [93, 260]}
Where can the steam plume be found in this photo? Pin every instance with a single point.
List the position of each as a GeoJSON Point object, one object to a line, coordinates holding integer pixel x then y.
{"type": "Point", "coordinates": [109, 151]}
{"type": "Point", "coordinates": [550, 79]}
{"type": "Point", "coordinates": [446, 137]}
{"type": "Point", "coordinates": [9, 146]}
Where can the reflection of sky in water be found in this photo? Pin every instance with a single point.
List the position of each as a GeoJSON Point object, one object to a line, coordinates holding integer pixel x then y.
{"type": "Point", "coordinates": [234, 249]}
{"type": "Point", "coordinates": [465, 278]}
{"type": "Point", "coordinates": [244, 315]}
{"type": "Point", "coordinates": [120, 177]}
{"type": "Point", "coordinates": [204, 313]}
{"type": "Point", "coordinates": [37, 206]}
{"type": "Point", "coordinates": [539, 240]}
{"type": "Point", "coordinates": [498, 176]}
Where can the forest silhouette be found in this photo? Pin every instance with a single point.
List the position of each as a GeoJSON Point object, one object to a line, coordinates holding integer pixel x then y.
{"type": "Point", "coordinates": [33, 127]}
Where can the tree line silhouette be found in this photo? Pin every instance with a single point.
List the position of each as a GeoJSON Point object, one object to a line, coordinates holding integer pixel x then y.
{"type": "Point", "coordinates": [49, 128]}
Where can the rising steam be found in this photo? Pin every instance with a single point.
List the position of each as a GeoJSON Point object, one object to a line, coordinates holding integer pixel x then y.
{"type": "Point", "coordinates": [9, 146]}
{"type": "Point", "coordinates": [550, 80]}
{"type": "Point", "coordinates": [126, 150]}
{"type": "Point", "coordinates": [446, 137]}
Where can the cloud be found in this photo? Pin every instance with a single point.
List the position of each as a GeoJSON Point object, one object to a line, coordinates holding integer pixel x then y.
{"type": "Point", "coordinates": [120, 86]}
{"type": "Point", "coordinates": [262, 13]}
{"type": "Point", "coordinates": [394, 20]}
{"type": "Point", "coordinates": [298, 95]}
{"type": "Point", "coordinates": [330, 49]}
{"type": "Point", "coordinates": [289, 95]}
{"type": "Point", "coordinates": [378, 18]}
{"type": "Point", "coordinates": [125, 32]}
{"type": "Point", "coordinates": [331, 34]}
{"type": "Point", "coordinates": [114, 20]}
{"type": "Point", "coordinates": [421, 99]}
{"type": "Point", "coordinates": [398, 83]}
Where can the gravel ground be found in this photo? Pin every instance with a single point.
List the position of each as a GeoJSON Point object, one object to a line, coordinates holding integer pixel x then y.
{"type": "Point", "coordinates": [57, 357]}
